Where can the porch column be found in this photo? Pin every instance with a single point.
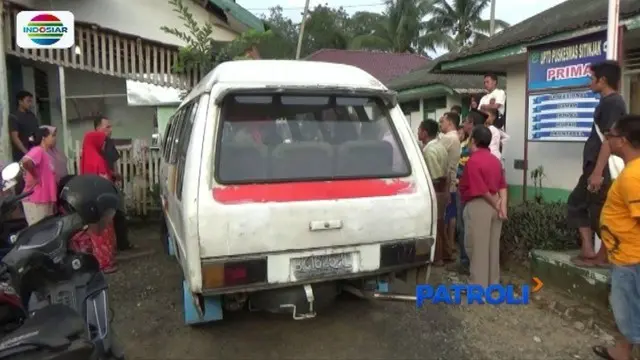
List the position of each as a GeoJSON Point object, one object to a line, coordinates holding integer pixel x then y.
{"type": "Point", "coordinates": [5, 150]}
{"type": "Point", "coordinates": [63, 110]}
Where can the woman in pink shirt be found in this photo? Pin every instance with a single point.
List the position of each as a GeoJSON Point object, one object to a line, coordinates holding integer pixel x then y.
{"type": "Point", "coordinates": [40, 177]}
{"type": "Point", "coordinates": [57, 157]}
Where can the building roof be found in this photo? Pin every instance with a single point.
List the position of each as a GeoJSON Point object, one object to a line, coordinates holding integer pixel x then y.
{"type": "Point", "coordinates": [568, 15]}
{"type": "Point", "coordinates": [242, 15]}
{"type": "Point", "coordinates": [382, 65]}
{"type": "Point", "coordinates": [423, 76]}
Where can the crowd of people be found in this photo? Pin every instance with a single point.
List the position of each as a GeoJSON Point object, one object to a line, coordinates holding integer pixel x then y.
{"type": "Point", "coordinates": [469, 179]}
{"type": "Point", "coordinates": [45, 173]}
{"type": "Point", "coordinates": [470, 186]}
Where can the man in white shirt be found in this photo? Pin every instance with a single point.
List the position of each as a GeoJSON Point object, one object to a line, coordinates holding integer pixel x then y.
{"type": "Point", "coordinates": [437, 159]}
{"type": "Point", "coordinates": [495, 98]}
{"type": "Point", "coordinates": [449, 123]}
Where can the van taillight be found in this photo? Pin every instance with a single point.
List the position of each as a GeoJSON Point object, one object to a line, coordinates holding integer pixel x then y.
{"type": "Point", "coordinates": [233, 273]}
{"type": "Point", "coordinates": [405, 252]}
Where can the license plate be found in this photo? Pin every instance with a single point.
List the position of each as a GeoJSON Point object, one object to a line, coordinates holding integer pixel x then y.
{"type": "Point", "coordinates": [322, 265]}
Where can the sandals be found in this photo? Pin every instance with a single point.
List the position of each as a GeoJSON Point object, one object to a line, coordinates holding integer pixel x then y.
{"type": "Point", "coordinates": [110, 270]}
{"type": "Point", "coordinates": [602, 352]}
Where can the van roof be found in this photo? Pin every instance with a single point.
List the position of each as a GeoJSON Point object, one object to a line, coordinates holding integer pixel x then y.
{"type": "Point", "coordinates": [294, 73]}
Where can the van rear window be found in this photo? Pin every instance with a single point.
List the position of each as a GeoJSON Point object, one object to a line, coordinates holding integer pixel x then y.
{"type": "Point", "coordinates": [282, 138]}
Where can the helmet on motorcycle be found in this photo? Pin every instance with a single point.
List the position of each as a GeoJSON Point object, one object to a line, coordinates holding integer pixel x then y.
{"type": "Point", "coordinates": [92, 197]}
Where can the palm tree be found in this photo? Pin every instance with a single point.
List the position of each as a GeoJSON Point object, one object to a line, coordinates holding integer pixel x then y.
{"type": "Point", "coordinates": [456, 24]}
{"type": "Point", "coordinates": [397, 30]}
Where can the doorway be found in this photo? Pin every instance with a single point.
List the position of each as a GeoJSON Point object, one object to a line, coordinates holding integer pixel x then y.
{"type": "Point", "coordinates": [41, 82]}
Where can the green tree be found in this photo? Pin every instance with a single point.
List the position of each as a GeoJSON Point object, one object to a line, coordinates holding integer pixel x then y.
{"type": "Point", "coordinates": [198, 51]}
{"type": "Point", "coordinates": [325, 29]}
{"type": "Point", "coordinates": [397, 29]}
{"type": "Point", "coordinates": [456, 24]}
{"type": "Point", "coordinates": [364, 22]}
{"type": "Point", "coordinates": [282, 45]}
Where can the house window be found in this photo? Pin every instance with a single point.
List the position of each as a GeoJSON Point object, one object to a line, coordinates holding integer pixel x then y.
{"type": "Point", "coordinates": [435, 103]}
{"type": "Point", "coordinates": [432, 105]}
{"type": "Point", "coordinates": [410, 107]}
{"type": "Point", "coordinates": [430, 115]}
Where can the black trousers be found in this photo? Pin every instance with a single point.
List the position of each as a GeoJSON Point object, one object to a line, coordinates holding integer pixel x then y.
{"type": "Point", "coordinates": [120, 227]}
{"type": "Point", "coordinates": [585, 207]}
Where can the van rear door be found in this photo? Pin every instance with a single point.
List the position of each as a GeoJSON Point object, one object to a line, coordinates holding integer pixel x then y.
{"type": "Point", "coordinates": [306, 171]}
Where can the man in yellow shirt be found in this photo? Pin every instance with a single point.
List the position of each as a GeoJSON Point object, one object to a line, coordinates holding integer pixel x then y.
{"type": "Point", "coordinates": [436, 157]}
{"type": "Point", "coordinates": [620, 233]}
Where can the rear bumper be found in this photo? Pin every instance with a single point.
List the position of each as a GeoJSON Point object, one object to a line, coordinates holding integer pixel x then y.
{"type": "Point", "coordinates": [264, 286]}
{"type": "Point", "coordinates": [277, 270]}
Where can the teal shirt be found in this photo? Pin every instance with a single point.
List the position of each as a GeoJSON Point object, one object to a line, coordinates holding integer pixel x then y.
{"type": "Point", "coordinates": [465, 152]}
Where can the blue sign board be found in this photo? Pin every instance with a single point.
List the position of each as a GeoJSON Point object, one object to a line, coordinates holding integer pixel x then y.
{"type": "Point", "coordinates": [563, 116]}
{"type": "Point", "coordinates": [565, 64]}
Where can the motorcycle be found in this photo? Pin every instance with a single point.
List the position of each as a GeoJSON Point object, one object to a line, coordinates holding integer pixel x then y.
{"type": "Point", "coordinates": [8, 203]}
{"type": "Point", "coordinates": [52, 277]}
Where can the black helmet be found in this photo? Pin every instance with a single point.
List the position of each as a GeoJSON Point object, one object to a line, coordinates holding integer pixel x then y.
{"type": "Point", "coordinates": [90, 196]}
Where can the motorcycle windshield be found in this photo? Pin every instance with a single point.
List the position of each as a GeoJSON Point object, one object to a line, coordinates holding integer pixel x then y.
{"type": "Point", "coordinates": [39, 235]}
{"type": "Point", "coordinates": [45, 238]}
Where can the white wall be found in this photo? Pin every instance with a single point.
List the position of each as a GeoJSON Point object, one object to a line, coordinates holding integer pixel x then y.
{"type": "Point", "coordinates": [562, 162]}
{"type": "Point", "coordinates": [514, 148]}
{"type": "Point", "coordinates": [136, 17]}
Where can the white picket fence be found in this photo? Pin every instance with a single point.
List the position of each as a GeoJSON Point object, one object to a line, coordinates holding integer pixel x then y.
{"type": "Point", "coordinates": [139, 168]}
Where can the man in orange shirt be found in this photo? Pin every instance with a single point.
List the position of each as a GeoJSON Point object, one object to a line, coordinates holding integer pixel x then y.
{"type": "Point", "coordinates": [620, 232]}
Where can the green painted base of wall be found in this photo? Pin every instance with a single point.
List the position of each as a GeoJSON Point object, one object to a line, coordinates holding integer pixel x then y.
{"type": "Point", "coordinates": [515, 193]}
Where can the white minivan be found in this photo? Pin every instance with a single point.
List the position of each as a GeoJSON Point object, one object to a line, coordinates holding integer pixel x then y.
{"type": "Point", "coordinates": [282, 181]}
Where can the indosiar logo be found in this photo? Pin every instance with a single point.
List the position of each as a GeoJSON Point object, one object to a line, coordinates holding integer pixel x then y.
{"type": "Point", "coordinates": [45, 30]}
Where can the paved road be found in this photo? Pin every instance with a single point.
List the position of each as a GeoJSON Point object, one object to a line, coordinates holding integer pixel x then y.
{"type": "Point", "coordinates": [147, 302]}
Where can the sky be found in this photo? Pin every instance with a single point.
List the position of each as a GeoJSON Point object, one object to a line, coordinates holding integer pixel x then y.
{"type": "Point", "coordinates": [511, 11]}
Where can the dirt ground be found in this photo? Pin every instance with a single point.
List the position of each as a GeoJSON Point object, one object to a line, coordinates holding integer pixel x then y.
{"type": "Point", "coordinates": [147, 301]}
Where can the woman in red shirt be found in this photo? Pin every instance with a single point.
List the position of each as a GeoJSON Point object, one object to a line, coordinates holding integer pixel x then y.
{"type": "Point", "coordinates": [484, 194]}
{"type": "Point", "coordinates": [98, 240]}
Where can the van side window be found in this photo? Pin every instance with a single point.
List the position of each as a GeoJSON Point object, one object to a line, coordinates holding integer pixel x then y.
{"type": "Point", "coordinates": [166, 139]}
{"type": "Point", "coordinates": [171, 141]}
{"type": "Point", "coordinates": [183, 143]}
{"type": "Point", "coordinates": [175, 146]}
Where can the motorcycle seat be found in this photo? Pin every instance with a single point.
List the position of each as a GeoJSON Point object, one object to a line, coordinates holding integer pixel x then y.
{"type": "Point", "coordinates": [51, 327]}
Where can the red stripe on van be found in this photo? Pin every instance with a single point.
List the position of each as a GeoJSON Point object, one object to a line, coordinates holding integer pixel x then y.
{"type": "Point", "coordinates": [309, 191]}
